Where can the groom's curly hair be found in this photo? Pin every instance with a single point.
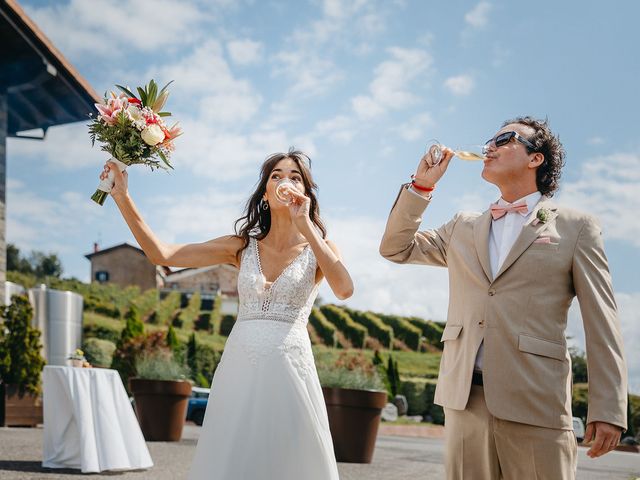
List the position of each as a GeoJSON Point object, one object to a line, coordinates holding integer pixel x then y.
{"type": "Point", "coordinates": [545, 142]}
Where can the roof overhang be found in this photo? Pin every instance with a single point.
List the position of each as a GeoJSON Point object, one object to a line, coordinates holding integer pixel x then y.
{"type": "Point", "coordinates": [43, 89]}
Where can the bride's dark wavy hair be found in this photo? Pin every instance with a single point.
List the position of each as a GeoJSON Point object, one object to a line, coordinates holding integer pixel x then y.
{"type": "Point", "coordinates": [256, 221]}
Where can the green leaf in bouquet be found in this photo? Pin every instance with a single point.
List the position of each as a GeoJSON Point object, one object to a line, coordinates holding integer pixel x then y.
{"type": "Point", "coordinates": [143, 96]}
{"type": "Point", "coordinates": [164, 114]}
{"type": "Point", "coordinates": [165, 87]}
{"type": "Point", "coordinates": [164, 159]}
{"type": "Point", "coordinates": [153, 92]}
{"type": "Point", "coordinates": [126, 90]}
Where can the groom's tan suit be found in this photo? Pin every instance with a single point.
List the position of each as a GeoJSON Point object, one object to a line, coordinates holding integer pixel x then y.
{"type": "Point", "coordinates": [520, 313]}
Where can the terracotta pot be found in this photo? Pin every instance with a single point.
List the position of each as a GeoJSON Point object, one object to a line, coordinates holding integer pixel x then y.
{"type": "Point", "coordinates": [19, 410]}
{"type": "Point", "coordinates": [354, 417]}
{"type": "Point", "coordinates": [161, 407]}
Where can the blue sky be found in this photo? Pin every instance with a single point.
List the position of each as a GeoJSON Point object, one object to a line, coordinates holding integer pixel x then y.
{"type": "Point", "coordinates": [360, 85]}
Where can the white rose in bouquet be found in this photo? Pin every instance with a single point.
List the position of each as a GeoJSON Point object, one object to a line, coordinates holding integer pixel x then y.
{"type": "Point", "coordinates": [152, 135]}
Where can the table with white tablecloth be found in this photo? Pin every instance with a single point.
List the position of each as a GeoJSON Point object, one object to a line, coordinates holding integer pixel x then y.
{"type": "Point", "coordinates": [89, 422]}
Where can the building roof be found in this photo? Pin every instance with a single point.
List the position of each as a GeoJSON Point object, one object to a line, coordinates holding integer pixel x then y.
{"type": "Point", "coordinates": [189, 272]}
{"type": "Point", "coordinates": [43, 88]}
{"type": "Point", "coordinates": [115, 247]}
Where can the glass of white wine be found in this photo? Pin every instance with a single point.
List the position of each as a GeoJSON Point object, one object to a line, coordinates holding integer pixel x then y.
{"type": "Point", "coordinates": [283, 191]}
{"type": "Point", "coordinates": [464, 153]}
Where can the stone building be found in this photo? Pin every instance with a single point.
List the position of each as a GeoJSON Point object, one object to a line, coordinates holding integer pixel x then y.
{"type": "Point", "coordinates": [209, 281]}
{"type": "Point", "coordinates": [125, 265]}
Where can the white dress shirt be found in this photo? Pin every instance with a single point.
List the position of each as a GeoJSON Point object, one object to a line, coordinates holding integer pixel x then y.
{"type": "Point", "coordinates": [503, 234]}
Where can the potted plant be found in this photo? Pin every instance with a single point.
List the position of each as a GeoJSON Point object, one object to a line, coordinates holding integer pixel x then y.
{"type": "Point", "coordinates": [78, 360]}
{"type": "Point", "coordinates": [355, 396]}
{"type": "Point", "coordinates": [161, 395]}
{"type": "Point", "coordinates": [20, 365]}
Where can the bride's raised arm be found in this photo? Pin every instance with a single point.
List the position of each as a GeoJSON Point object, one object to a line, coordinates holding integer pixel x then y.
{"type": "Point", "coordinates": [213, 252]}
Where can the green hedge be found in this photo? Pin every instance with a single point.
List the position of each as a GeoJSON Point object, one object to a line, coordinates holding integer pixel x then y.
{"type": "Point", "coordinates": [147, 302]}
{"type": "Point", "coordinates": [419, 394]}
{"type": "Point", "coordinates": [403, 330]}
{"type": "Point", "coordinates": [167, 308]}
{"type": "Point", "coordinates": [354, 332]}
{"type": "Point", "coordinates": [103, 332]}
{"type": "Point", "coordinates": [226, 324]}
{"type": "Point", "coordinates": [188, 316]}
{"type": "Point", "coordinates": [431, 331]}
{"type": "Point", "coordinates": [323, 327]}
{"type": "Point", "coordinates": [375, 327]}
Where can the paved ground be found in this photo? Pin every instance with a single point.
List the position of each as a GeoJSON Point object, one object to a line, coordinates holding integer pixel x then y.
{"type": "Point", "coordinates": [396, 458]}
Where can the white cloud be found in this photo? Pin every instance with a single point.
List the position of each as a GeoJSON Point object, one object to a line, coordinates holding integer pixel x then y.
{"type": "Point", "coordinates": [245, 52]}
{"type": "Point", "coordinates": [205, 81]}
{"type": "Point", "coordinates": [596, 140]}
{"type": "Point", "coordinates": [478, 16]}
{"type": "Point", "coordinates": [102, 28]}
{"type": "Point", "coordinates": [65, 147]}
{"type": "Point", "coordinates": [607, 187]}
{"type": "Point", "coordinates": [340, 128]}
{"type": "Point", "coordinates": [460, 85]}
{"type": "Point", "coordinates": [306, 72]}
{"type": "Point", "coordinates": [416, 127]}
{"type": "Point", "coordinates": [390, 88]}
{"type": "Point", "coordinates": [47, 224]}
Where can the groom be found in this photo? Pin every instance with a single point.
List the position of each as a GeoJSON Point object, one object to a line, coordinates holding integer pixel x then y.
{"type": "Point", "coordinates": [505, 374]}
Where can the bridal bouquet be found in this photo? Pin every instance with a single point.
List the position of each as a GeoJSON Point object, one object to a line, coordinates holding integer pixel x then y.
{"type": "Point", "coordinates": [132, 130]}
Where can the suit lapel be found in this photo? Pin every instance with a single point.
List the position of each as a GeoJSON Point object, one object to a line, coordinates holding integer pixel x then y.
{"type": "Point", "coordinates": [481, 229]}
{"type": "Point", "coordinates": [530, 231]}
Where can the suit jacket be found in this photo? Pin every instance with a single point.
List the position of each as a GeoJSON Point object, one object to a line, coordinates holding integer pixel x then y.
{"type": "Point", "coordinates": [521, 314]}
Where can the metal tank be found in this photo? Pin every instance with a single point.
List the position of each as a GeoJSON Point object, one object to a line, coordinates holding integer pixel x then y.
{"type": "Point", "coordinates": [58, 315]}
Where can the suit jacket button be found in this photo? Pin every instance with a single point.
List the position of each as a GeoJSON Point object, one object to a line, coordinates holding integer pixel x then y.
{"type": "Point", "coordinates": [492, 293]}
{"type": "Point", "coordinates": [481, 323]}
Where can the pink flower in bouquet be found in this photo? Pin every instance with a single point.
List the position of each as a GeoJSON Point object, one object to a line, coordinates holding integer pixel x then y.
{"type": "Point", "coordinates": [109, 111]}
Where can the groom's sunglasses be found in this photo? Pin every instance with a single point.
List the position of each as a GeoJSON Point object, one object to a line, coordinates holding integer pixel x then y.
{"type": "Point", "coordinates": [504, 138]}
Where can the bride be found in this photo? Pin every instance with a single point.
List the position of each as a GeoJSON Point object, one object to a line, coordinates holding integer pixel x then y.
{"type": "Point", "coordinates": [266, 417]}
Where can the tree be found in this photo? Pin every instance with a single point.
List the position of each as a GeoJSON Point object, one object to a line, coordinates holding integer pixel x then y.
{"type": "Point", "coordinates": [20, 359]}
{"type": "Point", "coordinates": [133, 325]}
{"type": "Point", "coordinates": [39, 264]}
{"type": "Point", "coordinates": [192, 350]}
{"type": "Point", "coordinates": [578, 365]}
{"type": "Point", "coordinates": [172, 340]}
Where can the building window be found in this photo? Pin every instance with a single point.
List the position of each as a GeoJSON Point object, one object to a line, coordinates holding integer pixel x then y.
{"type": "Point", "coordinates": [102, 276]}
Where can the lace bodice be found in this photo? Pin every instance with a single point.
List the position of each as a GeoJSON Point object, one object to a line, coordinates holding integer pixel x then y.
{"type": "Point", "coordinates": [288, 299]}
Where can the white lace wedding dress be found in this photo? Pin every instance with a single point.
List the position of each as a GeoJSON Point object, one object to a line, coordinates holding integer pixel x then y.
{"type": "Point", "coordinates": [266, 417]}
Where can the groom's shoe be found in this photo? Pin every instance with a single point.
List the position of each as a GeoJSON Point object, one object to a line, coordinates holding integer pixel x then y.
{"type": "Point", "coordinates": [476, 379]}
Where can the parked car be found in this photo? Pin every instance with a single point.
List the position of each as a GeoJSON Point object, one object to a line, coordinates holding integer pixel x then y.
{"type": "Point", "coordinates": [198, 404]}
{"type": "Point", "coordinates": [578, 429]}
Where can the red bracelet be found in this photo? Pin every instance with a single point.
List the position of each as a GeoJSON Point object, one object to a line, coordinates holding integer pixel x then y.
{"type": "Point", "coordinates": [418, 187]}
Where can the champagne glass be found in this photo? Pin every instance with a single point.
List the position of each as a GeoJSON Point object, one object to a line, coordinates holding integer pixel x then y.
{"type": "Point", "coordinates": [283, 191]}
{"type": "Point", "coordinates": [464, 153]}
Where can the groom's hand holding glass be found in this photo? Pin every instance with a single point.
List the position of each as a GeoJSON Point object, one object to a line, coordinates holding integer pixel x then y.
{"type": "Point", "coordinates": [430, 171]}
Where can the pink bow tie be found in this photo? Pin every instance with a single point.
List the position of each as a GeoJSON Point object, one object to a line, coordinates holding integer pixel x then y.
{"type": "Point", "coordinates": [499, 211]}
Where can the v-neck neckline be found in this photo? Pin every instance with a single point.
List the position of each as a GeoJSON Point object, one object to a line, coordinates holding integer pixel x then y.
{"type": "Point", "coordinates": [268, 285]}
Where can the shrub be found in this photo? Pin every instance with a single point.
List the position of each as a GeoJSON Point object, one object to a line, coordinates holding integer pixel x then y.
{"type": "Point", "coordinates": [350, 371]}
{"type": "Point", "coordinates": [403, 330]}
{"type": "Point", "coordinates": [375, 327]}
{"type": "Point", "coordinates": [20, 360]}
{"type": "Point", "coordinates": [128, 351]}
{"type": "Point", "coordinates": [226, 324]}
{"type": "Point", "coordinates": [98, 352]}
{"type": "Point", "coordinates": [325, 329]}
{"type": "Point", "coordinates": [354, 332]}
{"type": "Point", "coordinates": [202, 361]}
{"type": "Point", "coordinates": [419, 393]}
{"type": "Point", "coordinates": [147, 302]}
{"type": "Point", "coordinates": [160, 365]}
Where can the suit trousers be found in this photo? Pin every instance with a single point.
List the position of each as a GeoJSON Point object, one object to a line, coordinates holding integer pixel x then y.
{"type": "Point", "coordinates": [479, 446]}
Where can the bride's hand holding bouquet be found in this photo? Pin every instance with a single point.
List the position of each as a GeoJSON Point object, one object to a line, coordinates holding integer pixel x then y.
{"type": "Point", "coordinates": [132, 130]}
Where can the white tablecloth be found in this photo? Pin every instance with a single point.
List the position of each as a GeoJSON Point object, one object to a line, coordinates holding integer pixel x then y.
{"type": "Point", "coordinates": [89, 422]}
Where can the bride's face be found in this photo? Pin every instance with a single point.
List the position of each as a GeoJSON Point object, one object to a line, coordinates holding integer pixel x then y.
{"type": "Point", "coordinates": [285, 168]}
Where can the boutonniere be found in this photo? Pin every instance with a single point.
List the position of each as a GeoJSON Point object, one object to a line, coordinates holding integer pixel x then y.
{"type": "Point", "coordinates": [542, 216]}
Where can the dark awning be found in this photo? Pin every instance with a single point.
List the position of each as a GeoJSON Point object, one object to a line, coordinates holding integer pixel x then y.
{"type": "Point", "coordinates": [42, 87]}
